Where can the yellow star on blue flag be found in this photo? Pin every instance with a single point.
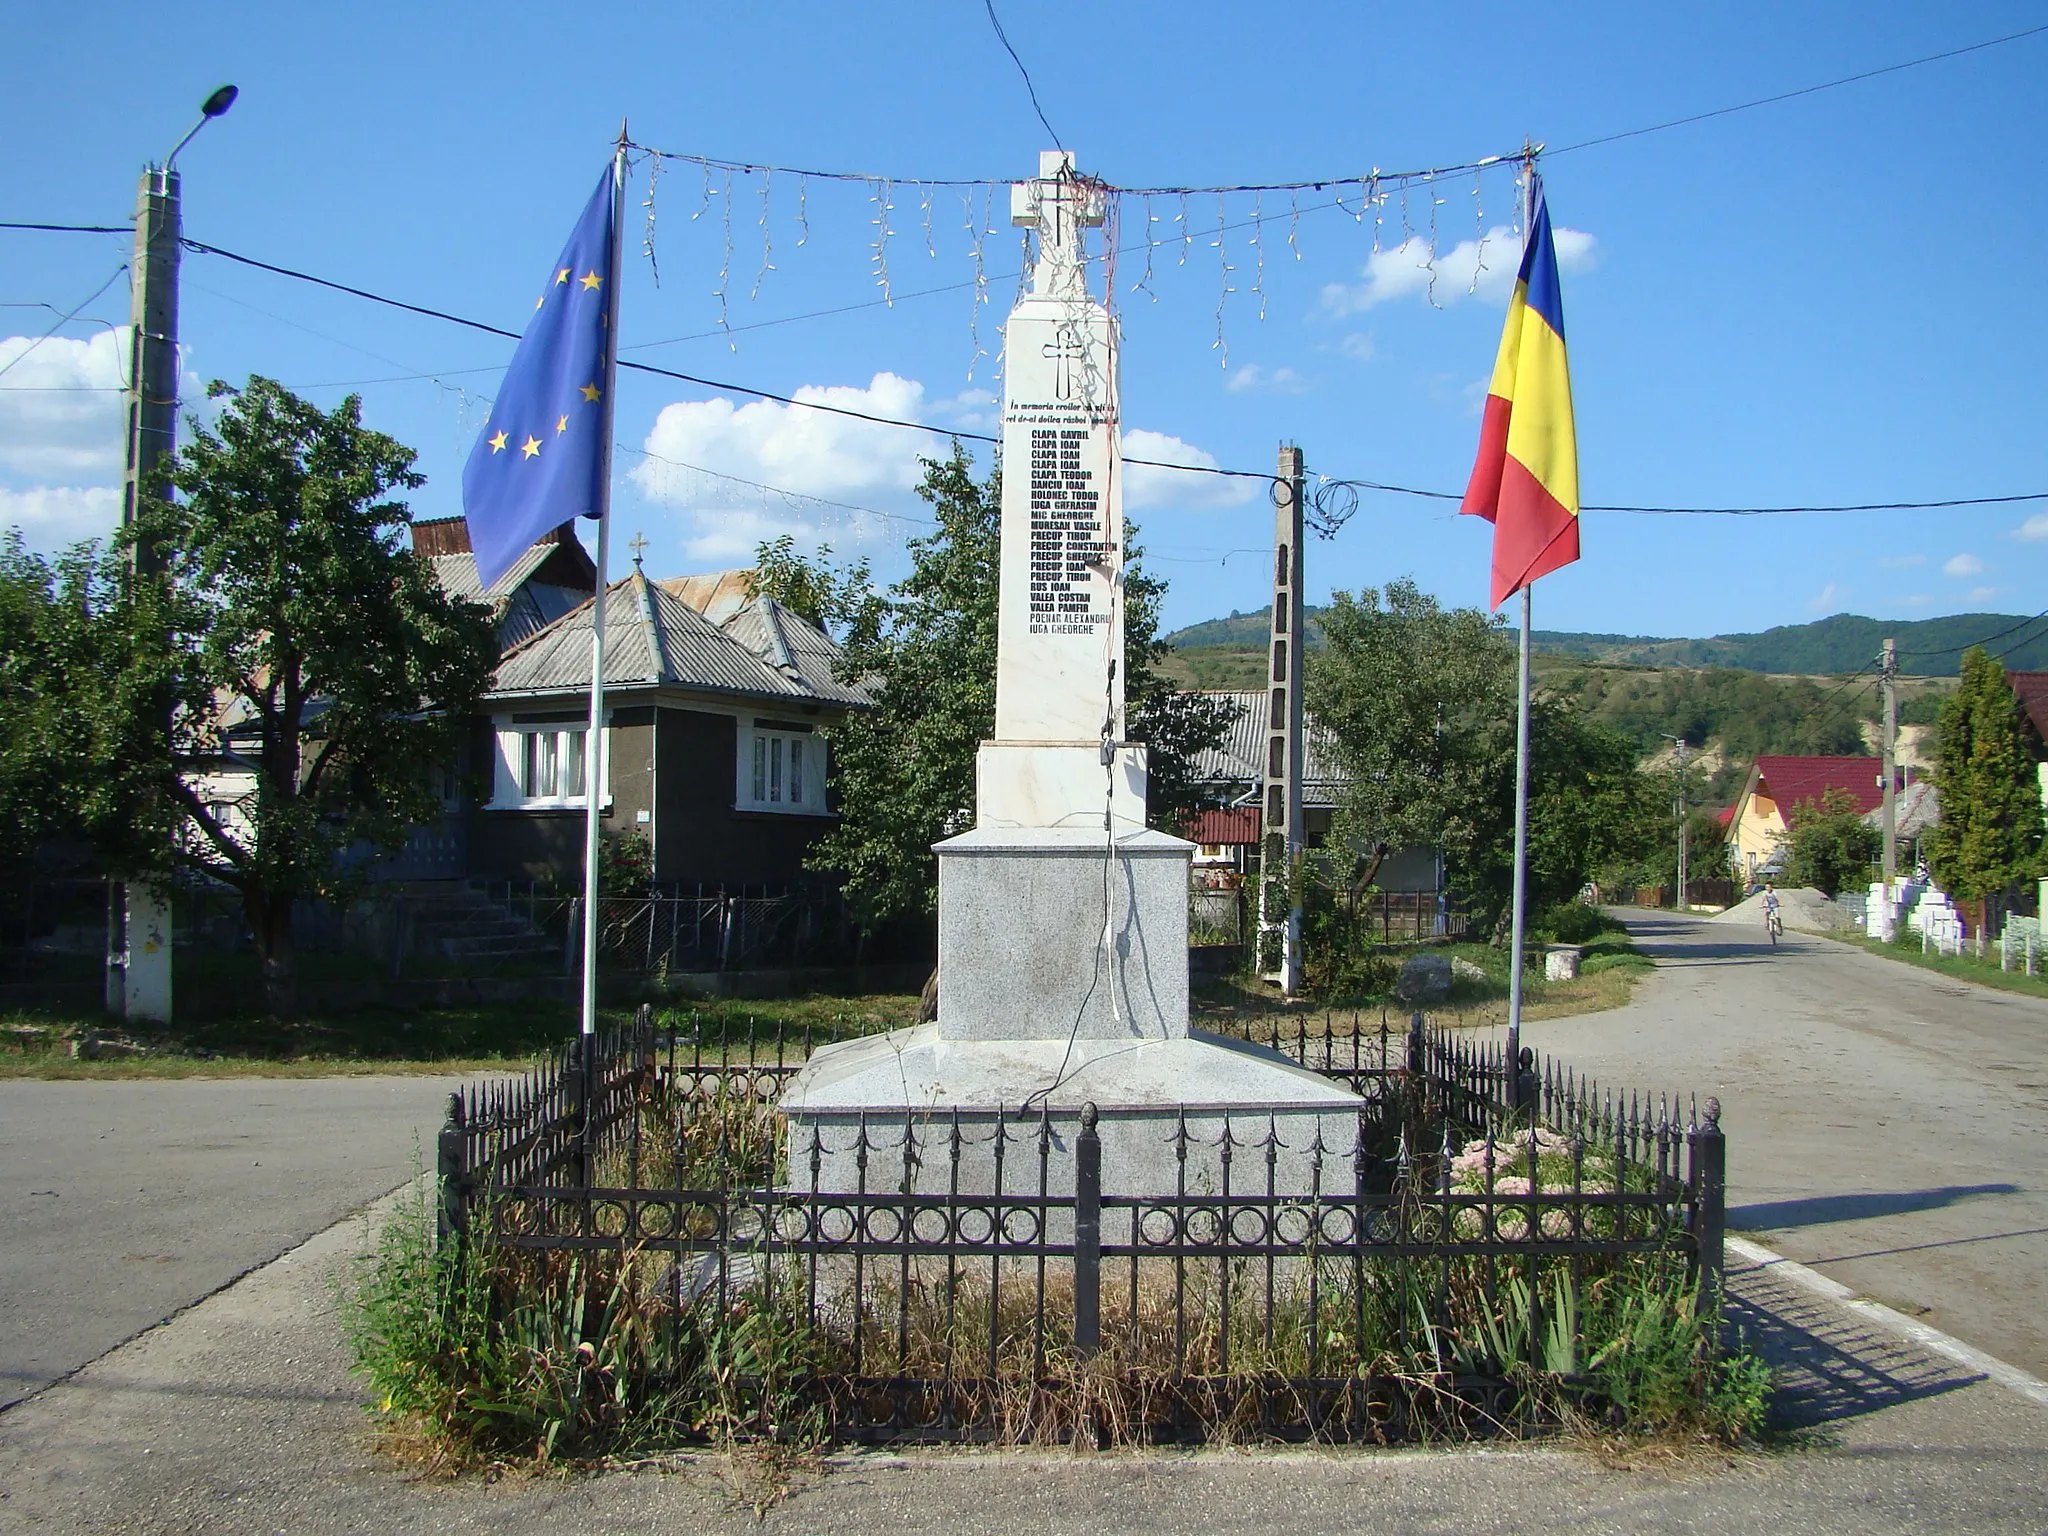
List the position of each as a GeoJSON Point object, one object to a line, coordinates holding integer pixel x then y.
{"type": "Point", "coordinates": [540, 459]}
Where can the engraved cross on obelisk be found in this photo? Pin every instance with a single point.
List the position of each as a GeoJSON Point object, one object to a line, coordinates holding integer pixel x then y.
{"type": "Point", "coordinates": [1059, 205]}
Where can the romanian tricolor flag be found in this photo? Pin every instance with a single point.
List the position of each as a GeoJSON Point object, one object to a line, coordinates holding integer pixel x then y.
{"type": "Point", "coordinates": [1526, 480]}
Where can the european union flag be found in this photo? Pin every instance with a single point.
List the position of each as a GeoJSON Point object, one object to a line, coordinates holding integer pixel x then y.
{"type": "Point", "coordinates": [541, 458]}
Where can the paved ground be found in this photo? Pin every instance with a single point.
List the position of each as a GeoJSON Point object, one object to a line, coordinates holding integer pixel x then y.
{"type": "Point", "coordinates": [1887, 1126]}
{"type": "Point", "coordinates": [239, 1416]}
{"type": "Point", "coordinates": [121, 1202]}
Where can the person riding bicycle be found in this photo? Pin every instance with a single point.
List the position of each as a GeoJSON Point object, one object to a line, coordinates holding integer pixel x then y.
{"type": "Point", "coordinates": [1771, 904]}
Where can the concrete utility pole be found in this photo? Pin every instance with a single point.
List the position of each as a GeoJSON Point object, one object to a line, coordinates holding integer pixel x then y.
{"type": "Point", "coordinates": [1683, 904]}
{"type": "Point", "coordinates": [139, 914]}
{"type": "Point", "coordinates": [1889, 676]}
{"type": "Point", "coordinates": [1280, 838]}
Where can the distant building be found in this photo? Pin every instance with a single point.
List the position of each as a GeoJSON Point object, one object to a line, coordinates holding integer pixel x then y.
{"type": "Point", "coordinates": [1779, 788]}
{"type": "Point", "coordinates": [716, 704]}
{"type": "Point", "coordinates": [1231, 775]}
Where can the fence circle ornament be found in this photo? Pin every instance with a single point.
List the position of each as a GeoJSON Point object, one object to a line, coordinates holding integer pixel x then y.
{"type": "Point", "coordinates": [1157, 1227]}
{"type": "Point", "coordinates": [882, 1224]}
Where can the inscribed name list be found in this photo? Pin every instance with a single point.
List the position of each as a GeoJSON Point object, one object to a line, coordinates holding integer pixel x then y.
{"type": "Point", "coordinates": [1060, 618]}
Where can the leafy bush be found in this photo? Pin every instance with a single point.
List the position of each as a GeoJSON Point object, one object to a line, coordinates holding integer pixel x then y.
{"type": "Point", "coordinates": [1574, 922]}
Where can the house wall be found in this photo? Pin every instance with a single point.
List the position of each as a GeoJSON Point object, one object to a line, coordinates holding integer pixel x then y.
{"type": "Point", "coordinates": [699, 834]}
{"type": "Point", "coordinates": [544, 844]}
{"type": "Point", "coordinates": [1754, 836]}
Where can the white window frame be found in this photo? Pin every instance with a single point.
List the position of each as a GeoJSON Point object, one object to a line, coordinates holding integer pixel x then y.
{"type": "Point", "coordinates": [521, 746]}
{"type": "Point", "coordinates": [771, 754]}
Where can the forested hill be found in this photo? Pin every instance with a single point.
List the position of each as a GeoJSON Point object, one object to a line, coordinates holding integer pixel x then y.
{"type": "Point", "coordinates": [1845, 643]}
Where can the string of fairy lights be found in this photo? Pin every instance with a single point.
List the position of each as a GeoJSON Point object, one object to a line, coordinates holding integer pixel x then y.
{"type": "Point", "coordinates": [1173, 223]}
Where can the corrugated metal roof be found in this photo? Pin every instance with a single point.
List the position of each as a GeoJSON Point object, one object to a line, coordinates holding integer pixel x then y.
{"type": "Point", "coordinates": [718, 595]}
{"type": "Point", "coordinates": [1240, 761]}
{"type": "Point", "coordinates": [771, 631]}
{"type": "Point", "coordinates": [655, 639]}
{"type": "Point", "coordinates": [457, 574]}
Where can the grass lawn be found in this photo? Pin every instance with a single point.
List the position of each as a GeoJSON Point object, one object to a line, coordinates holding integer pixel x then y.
{"type": "Point", "coordinates": [1609, 969]}
{"type": "Point", "coordinates": [475, 1038]}
{"type": "Point", "coordinates": [1984, 972]}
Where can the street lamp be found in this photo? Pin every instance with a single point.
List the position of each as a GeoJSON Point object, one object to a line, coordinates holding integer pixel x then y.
{"type": "Point", "coordinates": [153, 322]}
{"type": "Point", "coordinates": [139, 923]}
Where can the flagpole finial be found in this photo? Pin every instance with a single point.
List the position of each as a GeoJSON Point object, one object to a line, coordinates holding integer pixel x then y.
{"type": "Point", "coordinates": [624, 138]}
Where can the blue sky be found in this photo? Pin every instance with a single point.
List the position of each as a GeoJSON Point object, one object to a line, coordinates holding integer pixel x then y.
{"type": "Point", "coordinates": [1833, 299]}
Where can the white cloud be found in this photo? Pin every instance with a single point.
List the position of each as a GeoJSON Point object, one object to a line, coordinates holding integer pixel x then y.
{"type": "Point", "coordinates": [60, 407]}
{"type": "Point", "coordinates": [1271, 381]}
{"type": "Point", "coordinates": [1963, 565]}
{"type": "Point", "coordinates": [2035, 527]}
{"type": "Point", "coordinates": [1900, 562]}
{"type": "Point", "coordinates": [1147, 486]}
{"type": "Point", "coordinates": [1982, 594]}
{"type": "Point", "coordinates": [1482, 268]}
{"type": "Point", "coordinates": [1917, 600]}
{"type": "Point", "coordinates": [808, 452]}
{"type": "Point", "coordinates": [53, 517]}
{"type": "Point", "coordinates": [1359, 347]}
{"type": "Point", "coordinates": [726, 467]}
{"type": "Point", "coordinates": [1824, 599]}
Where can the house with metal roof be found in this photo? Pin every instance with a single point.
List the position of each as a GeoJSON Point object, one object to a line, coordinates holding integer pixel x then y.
{"type": "Point", "coordinates": [716, 704]}
{"type": "Point", "coordinates": [1779, 788]}
{"type": "Point", "coordinates": [551, 577]}
{"type": "Point", "coordinates": [1232, 772]}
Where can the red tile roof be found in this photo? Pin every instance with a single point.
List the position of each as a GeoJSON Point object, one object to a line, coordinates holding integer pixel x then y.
{"type": "Point", "coordinates": [1231, 828]}
{"type": "Point", "coordinates": [2032, 690]}
{"type": "Point", "coordinates": [1792, 781]}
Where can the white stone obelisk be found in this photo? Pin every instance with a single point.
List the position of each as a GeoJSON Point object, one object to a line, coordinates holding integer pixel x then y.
{"type": "Point", "coordinates": [1058, 758]}
{"type": "Point", "coordinates": [1063, 919]}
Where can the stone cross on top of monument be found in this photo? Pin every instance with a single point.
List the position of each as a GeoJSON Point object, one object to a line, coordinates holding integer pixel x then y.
{"type": "Point", "coordinates": [1059, 205]}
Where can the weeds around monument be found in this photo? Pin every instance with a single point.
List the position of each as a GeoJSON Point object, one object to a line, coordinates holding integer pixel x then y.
{"type": "Point", "coordinates": [623, 1262]}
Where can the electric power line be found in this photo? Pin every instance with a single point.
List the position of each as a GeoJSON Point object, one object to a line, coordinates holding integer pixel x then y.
{"type": "Point", "coordinates": [1957, 650]}
{"type": "Point", "coordinates": [63, 320]}
{"type": "Point", "coordinates": [1805, 90]}
{"type": "Point", "coordinates": [1029, 89]}
{"type": "Point", "coordinates": [1325, 485]}
{"type": "Point", "coordinates": [74, 229]}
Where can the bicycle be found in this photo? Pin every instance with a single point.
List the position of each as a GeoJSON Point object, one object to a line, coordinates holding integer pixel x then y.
{"type": "Point", "coordinates": [1774, 925]}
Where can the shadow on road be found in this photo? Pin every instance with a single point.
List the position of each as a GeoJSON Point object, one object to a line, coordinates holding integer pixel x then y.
{"type": "Point", "coordinates": [1829, 1364]}
{"type": "Point", "coordinates": [1779, 1215]}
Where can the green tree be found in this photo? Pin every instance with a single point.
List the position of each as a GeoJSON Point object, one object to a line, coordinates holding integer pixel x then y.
{"type": "Point", "coordinates": [1420, 700]}
{"type": "Point", "coordinates": [814, 589]}
{"type": "Point", "coordinates": [80, 682]}
{"type": "Point", "coordinates": [1828, 845]}
{"type": "Point", "coordinates": [1989, 838]}
{"type": "Point", "coordinates": [903, 772]}
{"type": "Point", "coordinates": [316, 673]}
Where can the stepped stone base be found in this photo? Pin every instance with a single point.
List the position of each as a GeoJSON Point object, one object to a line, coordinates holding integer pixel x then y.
{"type": "Point", "coordinates": [918, 1083]}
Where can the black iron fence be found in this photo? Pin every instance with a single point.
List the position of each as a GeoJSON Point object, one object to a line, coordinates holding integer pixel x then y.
{"type": "Point", "coordinates": [695, 927]}
{"type": "Point", "coordinates": [1466, 1226]}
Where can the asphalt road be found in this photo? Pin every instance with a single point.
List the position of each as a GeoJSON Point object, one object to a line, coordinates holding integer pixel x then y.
{"type": "Point", "coordinates": [1886, 1125]}
{"type": "Point", "coordinates": [123, 1202]}
{"type": "Point", "coordinates": [240, 1416]}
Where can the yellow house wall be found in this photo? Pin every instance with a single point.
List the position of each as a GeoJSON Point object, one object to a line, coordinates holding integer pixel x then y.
{"type": "Point", "coordinates": [1753, 835]}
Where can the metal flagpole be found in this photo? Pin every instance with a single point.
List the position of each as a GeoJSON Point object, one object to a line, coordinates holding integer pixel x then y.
{"type": "Point", "coordinates": [594, 765]}
{"type": "Point", "coordinates": [1519, 903]}
{"type": "Point", "coordinates": [1521, 859]}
